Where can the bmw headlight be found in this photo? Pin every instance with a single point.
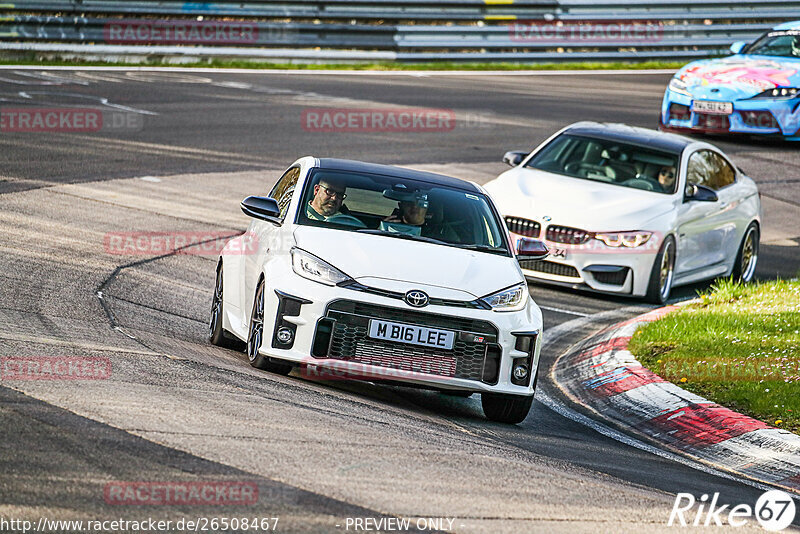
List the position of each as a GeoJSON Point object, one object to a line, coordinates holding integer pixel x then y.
{"type": "Point", "coordinates": [679, 86]}
{"type": "Point", "coordinates": [510, 299]}
{"type": "Point", "coordinates": [624, 239]}
{"type": "Point", "coordinates": [779, 92]}
{"type": "Point", "coordinates": [311, 267]}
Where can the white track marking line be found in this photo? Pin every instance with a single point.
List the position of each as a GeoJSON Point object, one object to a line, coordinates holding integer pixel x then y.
{"type": "Point", "coordinates": [562, 310]}
{"type": "Point", "coordinates": [607, 431]}
{"type": "Point", "coordinates": [565, 411]}
{"type": "Point", "coordinates": [311, 72]}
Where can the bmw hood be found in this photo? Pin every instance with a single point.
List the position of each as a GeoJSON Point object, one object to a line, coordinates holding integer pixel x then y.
{"type": "Point", "coordinates": [401, 265]}
{"type": "Point", "coordinates": [584, 204]}
{"type": "Point", "coordinates": [738, 77]}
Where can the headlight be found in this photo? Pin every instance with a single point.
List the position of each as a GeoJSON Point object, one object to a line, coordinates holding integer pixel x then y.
{"type": "Point", "coordinates": [311, 267]}
{"type": "Point", "coordinates": [779, 92]}
{"type": "Point", "coordinates": [624, 239]}
{"type": "Point", "coordinates": [511, 299]}
{"type": "Point", "coordinates": [679, 86]}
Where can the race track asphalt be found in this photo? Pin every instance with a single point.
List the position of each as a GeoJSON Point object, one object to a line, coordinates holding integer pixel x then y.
{"type": "Point", "coordinates": [176, 408]}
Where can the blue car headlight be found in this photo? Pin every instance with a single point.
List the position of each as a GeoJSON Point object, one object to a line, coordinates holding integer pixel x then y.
{"type": "Point", "coordinates": [679, 86]}
{"type": "Point", "coordinates": [779, 93]}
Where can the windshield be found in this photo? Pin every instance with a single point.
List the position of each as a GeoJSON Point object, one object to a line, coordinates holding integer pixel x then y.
{"type": "Point", "coordinates": [785, 43]}
{"type": "Point", "coordinates": [401, 208]}
{"type": "Point", "coordinates": [610, 162]}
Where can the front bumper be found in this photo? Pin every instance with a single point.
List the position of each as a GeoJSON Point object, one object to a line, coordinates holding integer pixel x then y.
{"type": "Point", "coordinates": [751, 117]}
{"type": "Point", "coordinates": [602, 269]}
{"type": "Point", "coordinates": [342, 314]}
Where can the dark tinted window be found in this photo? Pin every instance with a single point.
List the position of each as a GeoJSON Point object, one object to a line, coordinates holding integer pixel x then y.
{"type": "Point", "coordinates": [608, 161]}
{"type": "Point", "coordinates": [709, 169]}
{"type": "Point", "coordinates": [783, 43]}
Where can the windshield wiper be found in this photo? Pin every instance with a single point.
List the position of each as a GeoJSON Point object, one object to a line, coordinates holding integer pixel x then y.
{"type": "Point", "coordinates": [485, 248]}
{"type": "Point", "coordinates": [401, 235]}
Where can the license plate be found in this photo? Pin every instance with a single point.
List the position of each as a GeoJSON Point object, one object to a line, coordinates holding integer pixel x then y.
{"type": "Point", "coordinates": [411, 334]}
{"type": "Point", "coordinates": [717, 108]}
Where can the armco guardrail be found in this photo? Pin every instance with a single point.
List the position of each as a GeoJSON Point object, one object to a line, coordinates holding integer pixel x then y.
{"type": "Point", "coordinates": [420, 30]}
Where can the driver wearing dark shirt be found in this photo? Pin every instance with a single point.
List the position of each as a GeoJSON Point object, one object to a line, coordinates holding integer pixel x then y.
{"type": "Point", "coordinates": [327, 201]}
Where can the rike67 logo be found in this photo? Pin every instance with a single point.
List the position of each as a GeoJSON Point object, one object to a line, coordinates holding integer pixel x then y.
{"type": "Point", "coordinates": [774, 511]}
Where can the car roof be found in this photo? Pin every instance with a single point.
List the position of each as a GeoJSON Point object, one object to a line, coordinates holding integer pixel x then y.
{"type": "Point", "coordinates": [794, 25]}
{"type": "Point", "coordinates": [631, 134]}
{"type": "Point", "coordinates": [399, 172]}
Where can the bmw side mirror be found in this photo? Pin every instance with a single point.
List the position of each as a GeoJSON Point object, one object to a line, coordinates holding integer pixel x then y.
{"type": "Point", "coordinates": [738, 46]}
{"type": "Point", "coordinates": [532, 249]}
{"type": "Point", "coordinates": [514, 157]}
{"type": "Point", "coordinates": [700, 193]}
{"type": "Point", "coordinates": [263, 208]}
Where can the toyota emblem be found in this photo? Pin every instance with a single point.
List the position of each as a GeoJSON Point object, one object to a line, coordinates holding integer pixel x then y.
{"type": "Point", "coordinates": [416, 298]}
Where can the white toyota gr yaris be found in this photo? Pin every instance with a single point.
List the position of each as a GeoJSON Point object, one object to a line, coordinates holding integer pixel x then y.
{"type": "Point", "coordinates": [383, 273]}
{"type": "Point", "coordinates": [630, 211]}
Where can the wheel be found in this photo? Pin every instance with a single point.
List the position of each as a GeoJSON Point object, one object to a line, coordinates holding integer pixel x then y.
{"type": "Point", "coordinates": [216, 334]}
{"type": "Point", "coordinates": [745, 267]}
{"type": "Point", "coordinates": [502, 408]}
{"type": "Point", "coordinates": [660, 285]}
{"type": "Point", "coordinates": [349, 220]}
{"type": "Point", "coordinates": [255, 336]}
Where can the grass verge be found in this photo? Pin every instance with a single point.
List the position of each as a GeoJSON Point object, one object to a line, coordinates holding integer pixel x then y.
{"type": "Point", "coordinates": [379, 66]}
{"type": "Point", "coordinates": [739, 346]}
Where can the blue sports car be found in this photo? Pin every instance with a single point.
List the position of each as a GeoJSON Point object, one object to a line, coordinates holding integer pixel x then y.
{"type": "Point", "coordinates": [755, 91]}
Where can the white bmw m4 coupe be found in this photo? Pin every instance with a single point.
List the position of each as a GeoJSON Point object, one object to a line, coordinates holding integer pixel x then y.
{"type": "Point", "coordinates": [630, 211]}
{"type": "Point", "coordinates": [383, 273]}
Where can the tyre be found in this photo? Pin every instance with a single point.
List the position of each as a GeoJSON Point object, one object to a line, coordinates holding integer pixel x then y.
{"type": "Point", "coordinates": [255, 337]}
{"type": "Point", "coordinates": [744, 269]}
{"type": "Point", "coordinates": [216, 334]}
{"type": "Point", "coordinates": [662, 274]}
{"type": "Point", "coordinates": [502, 408]}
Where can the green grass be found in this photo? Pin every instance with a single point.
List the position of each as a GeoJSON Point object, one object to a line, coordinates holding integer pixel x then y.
{"type": "Point", "coordinates": [739, 346]}
{"type": "Point", "coordinates": [385, 66]}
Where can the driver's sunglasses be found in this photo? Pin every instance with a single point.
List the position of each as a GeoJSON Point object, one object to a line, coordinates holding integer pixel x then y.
{"type": "Point", "coordinates": [331, 193]}
{"type": "Point", "coordinates": [668, 174]}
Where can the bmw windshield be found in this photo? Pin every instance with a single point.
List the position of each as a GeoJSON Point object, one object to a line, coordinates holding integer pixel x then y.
{"type": "Point", "coordinates": [609, 161]}
{"type": "Point", "coordinates": [401, 208]}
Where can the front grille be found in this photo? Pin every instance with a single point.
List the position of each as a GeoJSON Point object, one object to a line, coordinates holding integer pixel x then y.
{"type": "Point", "coordinates": [523, 227]}
{"type": "Point", "coordinates": [679, 112]}
{"type": "Point", "coordinates": [349, 341]}
{"type": "Point", "coordinates": [713, 122]}
{"type": "Point", "coordinates": [759, 119]}
{"type": "Point", "coordinates": [550, 267]}
{"type": "Point", "coordinates": [567, 235]}
{"type": "Point", "coordinates": [616, 278]}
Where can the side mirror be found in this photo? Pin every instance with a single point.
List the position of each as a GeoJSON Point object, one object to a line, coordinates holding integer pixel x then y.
{"type": "Point", "coordinates": [532, 249]}
{"type": "Point", "coordinates": [738, 46]}
{"type": "Point", "coordinates": [263, 208]}
{"type": "Point", "coordinates": [700, 193]}
{"type": "Point", "coordinates": [514, 157]}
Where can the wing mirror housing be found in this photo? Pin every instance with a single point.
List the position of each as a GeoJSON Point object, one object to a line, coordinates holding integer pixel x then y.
{"type": "Point", "coordinates": [532, 249]}
{"type": "Point", "coordinates": [264, 208]}
{"type": "Point", "coordinates": [514, 157]}
{"type": "Point", "coordinates": [738, 46]}
{"type": "Point", "coordinates": [700, 193]}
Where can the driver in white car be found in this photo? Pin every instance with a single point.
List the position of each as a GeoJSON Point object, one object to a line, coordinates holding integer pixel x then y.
{"type": "Point", "coordinates": [327, 201]}
{"type": "Point", "coordinates": [666, 178]}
